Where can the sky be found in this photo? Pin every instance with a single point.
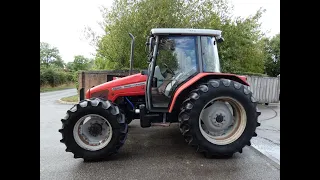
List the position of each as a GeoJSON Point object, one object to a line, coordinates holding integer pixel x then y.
{"type": "Point", "coordinates": [62, 22]}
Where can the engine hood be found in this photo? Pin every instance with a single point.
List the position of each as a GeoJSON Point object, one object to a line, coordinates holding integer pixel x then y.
{"type": "Point", "coordinates": [118, 86]}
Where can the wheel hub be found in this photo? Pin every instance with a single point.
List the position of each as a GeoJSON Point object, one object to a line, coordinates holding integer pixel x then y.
{"type": "Point", "coordinates": [95, 129]}
{"type": "Point", "coordinates": [217, 117]}
{"type": "Point", "coordinates": [92, 132]}
{"type": "Point", "coordinates": [222, 120]}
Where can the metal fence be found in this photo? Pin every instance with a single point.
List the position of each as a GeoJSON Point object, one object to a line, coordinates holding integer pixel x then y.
{"type": "Point", "coordinates": [265, 89]}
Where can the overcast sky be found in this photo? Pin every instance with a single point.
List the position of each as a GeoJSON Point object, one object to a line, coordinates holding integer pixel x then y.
{"type": "Point", "coordinates": [62, 21]}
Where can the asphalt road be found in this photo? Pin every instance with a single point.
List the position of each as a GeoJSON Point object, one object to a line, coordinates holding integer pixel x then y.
{"type": "Point", "coordinates": [268, 139]}
{"type": "Point", "coordinates": [150, 153]}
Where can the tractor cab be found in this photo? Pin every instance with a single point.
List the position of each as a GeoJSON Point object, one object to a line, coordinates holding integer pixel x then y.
{"type": "Point", "coordinates": [175, 56]}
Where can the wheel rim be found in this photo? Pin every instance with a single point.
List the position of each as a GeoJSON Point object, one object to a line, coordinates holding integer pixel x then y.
{"type": "Point", "coordinates": [222, 120]}
{"type": "Point", "coordinates": [92, 132]}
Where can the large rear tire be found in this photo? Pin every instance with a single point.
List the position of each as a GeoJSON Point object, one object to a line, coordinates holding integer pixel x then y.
{"type": "Point", "coordinates": [94, 129]}
{"type": "Point", "coordinates": [219, 118]}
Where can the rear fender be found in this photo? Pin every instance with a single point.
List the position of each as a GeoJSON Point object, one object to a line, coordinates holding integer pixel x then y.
{"type": "Point", "coordinates": [202, 77]}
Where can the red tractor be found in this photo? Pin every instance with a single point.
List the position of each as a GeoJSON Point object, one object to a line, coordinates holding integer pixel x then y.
{"type": "Point", "coordinates": [216, 112]}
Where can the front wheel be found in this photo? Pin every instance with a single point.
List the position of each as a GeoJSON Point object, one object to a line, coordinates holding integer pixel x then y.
{"type": "Point", "coordinates": [93, 129]}
{"type": "Point", "coordinates": [219, 118]}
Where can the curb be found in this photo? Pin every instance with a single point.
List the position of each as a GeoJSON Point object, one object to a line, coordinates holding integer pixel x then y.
{"type": "Point", "coordinates": [65, 102]}
{"type": "Point", "coordinates": [270, 160]}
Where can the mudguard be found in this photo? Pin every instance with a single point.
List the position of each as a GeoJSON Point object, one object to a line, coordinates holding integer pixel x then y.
{"type": "Point", "coordinates": [240, 79]}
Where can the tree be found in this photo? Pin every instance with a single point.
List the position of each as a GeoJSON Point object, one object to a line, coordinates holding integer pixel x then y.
{"type": "Point", "coordinates": [272, 60]}
{"type": "Point", "coordinates": [242, 50]}
{"type": "Point", "coordinates": [50, 55]}
{"type": "Point", "coordinates": [79, 63]}
{"type": "Point", "coordinates": [59, 63]}
{"type": "Point", "coordinates": [69, 66]}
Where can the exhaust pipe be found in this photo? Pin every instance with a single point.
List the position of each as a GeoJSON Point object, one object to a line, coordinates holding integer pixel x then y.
{"type": "Point", "coordinates": [131, 55]}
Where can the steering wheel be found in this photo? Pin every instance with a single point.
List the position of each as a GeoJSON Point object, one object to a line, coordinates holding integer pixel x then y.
{"type": "Point", "coordinates": [167, 68]}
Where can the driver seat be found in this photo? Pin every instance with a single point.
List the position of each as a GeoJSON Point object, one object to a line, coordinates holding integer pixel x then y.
{"type": "Point", "coordinates": [158, 75]}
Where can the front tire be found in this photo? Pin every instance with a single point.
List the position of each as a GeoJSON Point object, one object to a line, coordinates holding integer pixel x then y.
{"type": "Point", "coordinates": [219, 118]}
{"type": "Point", "coordinates": [94, 129]}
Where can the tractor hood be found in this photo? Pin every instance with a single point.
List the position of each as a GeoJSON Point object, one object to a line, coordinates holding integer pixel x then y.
{"type": "Point", "coordinates": [125, 86]}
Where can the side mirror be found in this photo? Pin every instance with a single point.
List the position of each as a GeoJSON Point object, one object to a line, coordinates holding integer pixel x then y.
{"type": "Point", "coordinates": [220, 39]}
{"type": "Point", "coordinates": [150, 45]}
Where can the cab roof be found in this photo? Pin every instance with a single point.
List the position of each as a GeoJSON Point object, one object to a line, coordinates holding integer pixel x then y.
{"type": "Point", "coordinates": [186, 31]}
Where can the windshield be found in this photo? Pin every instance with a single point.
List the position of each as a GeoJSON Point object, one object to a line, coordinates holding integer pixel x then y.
{"type": "Point", "coordinates": [210, 54]}
{"type": "Point", "coordinates": [178, 53]}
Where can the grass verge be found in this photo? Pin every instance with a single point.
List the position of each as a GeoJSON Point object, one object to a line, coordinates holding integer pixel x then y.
{"type": "Point", "coordinates": [74, 98]}
{"type": "Point", "coordinates": [60, 87]}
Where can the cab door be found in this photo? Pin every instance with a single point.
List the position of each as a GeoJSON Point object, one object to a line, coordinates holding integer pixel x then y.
{"type": "Point", "coordinates": [174, 61]}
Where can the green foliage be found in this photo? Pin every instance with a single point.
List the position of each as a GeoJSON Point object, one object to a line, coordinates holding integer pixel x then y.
{"type": "Point", "coordinates": [74, 98]}
{"type": "Point", "coordinates": [50, 55]}
{"type": "Point", "coordinates": [242, 50]}
{"type": "Point", "coordinates": [272, 59]}
{"type": "Point", "coordinates": [54, 76]}
{"type": "Point", "coordinates": [58, 63]}
{"type": "Point", "coordinates": [80, 63]}
{"type": "Point", "coordinates": [48, 88]}
{"type": "Point", "coordinates": [75, 78]}
{"type": "Point", "coordinates": [165, 56]}
{"type": "Point", "coordinates": [137, 17]}
{"type": "Point", "coordinates": [52, 70]}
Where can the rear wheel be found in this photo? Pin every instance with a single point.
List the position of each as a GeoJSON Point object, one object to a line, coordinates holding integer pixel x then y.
{"type": "Point", "coordinates": [93, 129]}
{"type": "Point", "coordinates": [219, 118]}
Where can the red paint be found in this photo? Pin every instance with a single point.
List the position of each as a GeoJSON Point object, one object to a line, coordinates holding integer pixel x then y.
{"type": "Point", "coordinates": [113, 95]}
{"type": "Point", "coordinates": [140, 90]}
{"type": "Point", "coordinates": [199, 76]}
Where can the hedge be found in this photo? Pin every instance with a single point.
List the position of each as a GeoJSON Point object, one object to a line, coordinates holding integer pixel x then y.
{"type": "Point", "coordinates": [54, 76]}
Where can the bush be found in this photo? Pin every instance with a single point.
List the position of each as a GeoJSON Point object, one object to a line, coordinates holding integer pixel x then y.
{"type": "Point", "coordinates": [43, 80]}
{"type": "Point", "coordinates": [54, 76]}
{"type": "Point", "coordinates": [75, 78]}
{"type": "Point", "coordinates": [69, 77]}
